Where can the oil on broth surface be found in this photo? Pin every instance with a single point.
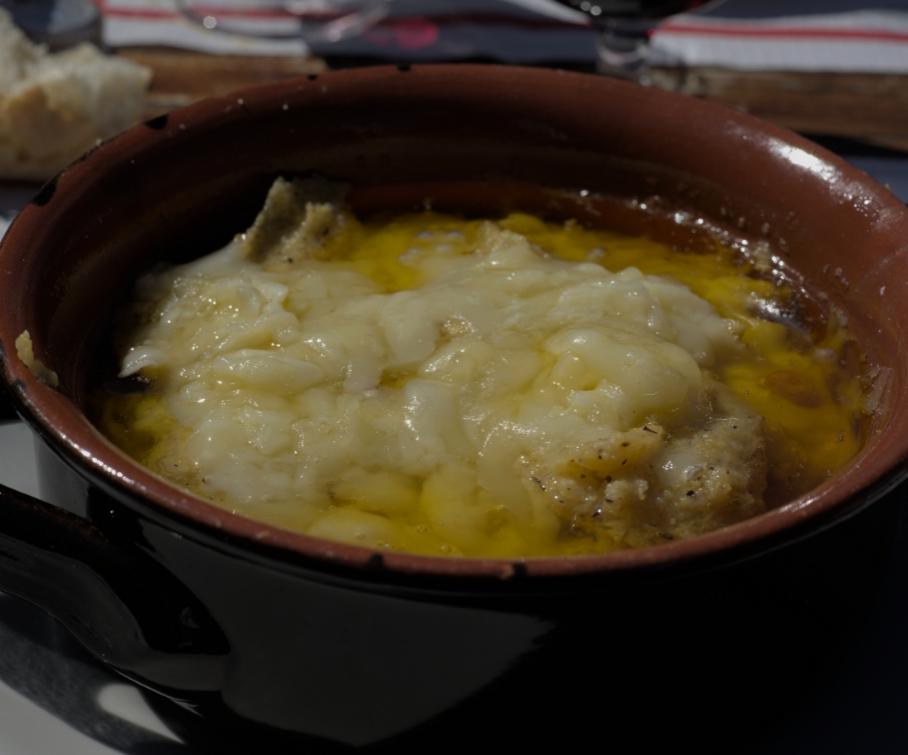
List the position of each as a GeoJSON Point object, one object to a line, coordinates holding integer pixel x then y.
{"type": "Point", "coordinates": [799, 374]}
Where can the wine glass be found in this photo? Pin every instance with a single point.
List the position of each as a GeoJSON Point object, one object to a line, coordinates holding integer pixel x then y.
{"type": "Point", "coordinates": [624, 28]}
{"type": "Point", "coordinates": [316, 21]}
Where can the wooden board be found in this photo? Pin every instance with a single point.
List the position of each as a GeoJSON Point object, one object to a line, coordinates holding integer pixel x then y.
{"type": "Point", "coordinates": [182, 77]}
{"type": "Point", "coordinates": [868, 107]}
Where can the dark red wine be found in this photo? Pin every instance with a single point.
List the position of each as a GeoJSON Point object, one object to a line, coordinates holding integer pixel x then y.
{"type": "Point", "coordinates": [633, 9]}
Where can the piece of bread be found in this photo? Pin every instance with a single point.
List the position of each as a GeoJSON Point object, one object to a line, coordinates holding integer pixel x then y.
{"type": "Point", "coordinates": [54, 107]}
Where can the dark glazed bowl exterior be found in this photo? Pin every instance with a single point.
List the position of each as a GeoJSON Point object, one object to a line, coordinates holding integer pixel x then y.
{"type": "Point", "coordinates": [341, 642]}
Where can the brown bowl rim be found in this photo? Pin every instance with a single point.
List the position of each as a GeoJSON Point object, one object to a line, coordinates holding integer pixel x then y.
{"type": "Point", "coordinates": [57, 419]}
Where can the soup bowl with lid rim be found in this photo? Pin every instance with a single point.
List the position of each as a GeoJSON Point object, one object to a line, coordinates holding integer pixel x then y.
{"type": "Point", "coordinates": [334, 641]}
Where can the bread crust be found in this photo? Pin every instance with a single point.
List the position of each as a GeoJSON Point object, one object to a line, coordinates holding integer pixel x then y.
{"type": "Point", "coordinates": [54, 107]}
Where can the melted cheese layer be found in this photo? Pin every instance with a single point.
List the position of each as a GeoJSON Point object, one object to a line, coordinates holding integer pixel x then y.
{"type": "Point", "coordinates": [437, 385]}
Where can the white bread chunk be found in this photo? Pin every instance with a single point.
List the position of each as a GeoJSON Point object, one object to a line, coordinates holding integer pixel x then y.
{"type": "Point", "coordinates": [54, 107]}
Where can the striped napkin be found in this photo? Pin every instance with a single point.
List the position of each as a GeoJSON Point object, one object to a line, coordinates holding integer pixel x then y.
{"type": "Point", "coordinates": [869, 41]}
{"type": "Point", "coordinates": [129, 23]}
{"type": "Point", "coordinates": [737, 34]}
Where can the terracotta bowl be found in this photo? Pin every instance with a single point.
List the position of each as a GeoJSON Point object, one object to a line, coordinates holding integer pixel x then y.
{"type": "Point", "coordinates": [302, 634]}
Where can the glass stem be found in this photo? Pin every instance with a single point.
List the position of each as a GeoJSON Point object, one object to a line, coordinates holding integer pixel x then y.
{"type": "Point", "coordinates": [624, 53]}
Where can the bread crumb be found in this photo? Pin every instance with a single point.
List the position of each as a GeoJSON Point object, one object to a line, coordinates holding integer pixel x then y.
{"type": "Point", "coordinates": [26, 353]}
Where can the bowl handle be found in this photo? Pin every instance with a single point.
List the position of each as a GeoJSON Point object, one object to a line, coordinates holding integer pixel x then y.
{"type": "Point", "coordinates": [125, 608]}
{"type": "Point", "coordinates": [7, 412]}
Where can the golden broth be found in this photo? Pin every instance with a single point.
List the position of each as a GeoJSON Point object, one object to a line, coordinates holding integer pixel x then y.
{"type": "Point", "coordinates": [800, 376]}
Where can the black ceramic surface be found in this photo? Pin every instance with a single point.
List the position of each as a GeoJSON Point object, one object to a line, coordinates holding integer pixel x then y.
{"type": "Point", "coordinates": [708, 655]}
{"type": "Point", "coordinates": [345, 657]}
{"type": "Point", "coordinates": [806, 656]}
{"type": "Point", "coordinates": [771, 658]}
